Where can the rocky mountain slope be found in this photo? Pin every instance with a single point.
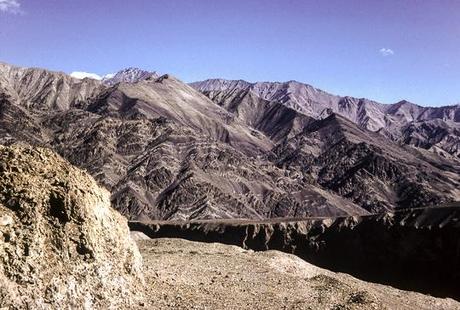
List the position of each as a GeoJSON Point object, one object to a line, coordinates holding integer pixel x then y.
{"type": "Point", "coordinates": [54, 215]}
{"type": "Point", "coordinates": [166, 151]}
{"type": "Point", "coordinates": [43, 90]}
{"type": "Point", "coordinates": [391, 120]}
{"type": "Point", "coordinates": [441, 136]}
{"type": "Point", "coordinates": [355, 163]}
{"type": "Point", "coordinates": [367, 168]}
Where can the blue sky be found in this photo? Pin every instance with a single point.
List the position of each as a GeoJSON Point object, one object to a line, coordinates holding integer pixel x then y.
{"type": "Point", "coordinates": [382, 50]}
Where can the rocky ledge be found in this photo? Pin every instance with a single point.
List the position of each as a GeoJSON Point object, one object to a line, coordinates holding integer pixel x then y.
{"type": "Point", "coordinates": [415, 249]}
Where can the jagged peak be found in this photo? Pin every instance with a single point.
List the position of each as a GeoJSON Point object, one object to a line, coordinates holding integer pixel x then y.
{"type": "Point", "coordinates": [404, 103]}
{"type": "Point", "coordinates": [128, 75]}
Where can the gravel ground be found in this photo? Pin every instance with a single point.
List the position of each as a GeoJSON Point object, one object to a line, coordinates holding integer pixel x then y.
{"type": "Point", "coordinates": [182, 274]}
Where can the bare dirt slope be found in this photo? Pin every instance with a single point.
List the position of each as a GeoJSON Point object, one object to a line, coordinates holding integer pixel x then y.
{"type": "Point", "coordinates": [190, 275]}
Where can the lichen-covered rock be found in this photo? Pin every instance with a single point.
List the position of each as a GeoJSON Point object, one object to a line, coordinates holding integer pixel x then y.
{"type": "Point", "coordinates": [61, 244]}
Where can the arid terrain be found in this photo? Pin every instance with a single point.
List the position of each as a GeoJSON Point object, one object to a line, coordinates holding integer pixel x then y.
{"type": "Point", "coordinates": [63, 246]}
{"type": "Point", "coordinates": [182, 274]}
{"type": "Point", "coordinates": [412, 249]}
{"type": "Point", "coordinates": [231, 149]}
{"type": "Point", "coordinates": [243, 154]}
{"type": "Point", "coordinates": [347, 184]}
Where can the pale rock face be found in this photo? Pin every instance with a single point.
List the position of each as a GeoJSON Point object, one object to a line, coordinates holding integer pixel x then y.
{"type": "Point", "coordinates": [129, 75]}
{"type": "Point", "coordinates": [61, 244]}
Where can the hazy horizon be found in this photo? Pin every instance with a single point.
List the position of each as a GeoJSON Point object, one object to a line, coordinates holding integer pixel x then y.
{"type": "Point", "coordinates": [385, 52]}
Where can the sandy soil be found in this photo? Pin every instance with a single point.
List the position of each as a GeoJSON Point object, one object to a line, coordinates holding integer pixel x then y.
{"type": "Point", "coordinates": [189, 275]}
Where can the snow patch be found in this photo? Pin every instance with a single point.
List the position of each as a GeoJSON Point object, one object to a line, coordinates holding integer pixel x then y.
{"type": "Point", "coordinates": [109, 76]}
{"type": "Point", "coordinates": [83, 75]}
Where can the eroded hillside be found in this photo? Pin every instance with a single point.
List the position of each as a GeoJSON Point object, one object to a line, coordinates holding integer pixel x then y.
{"type": "Point", "coordinates": [166, 151]}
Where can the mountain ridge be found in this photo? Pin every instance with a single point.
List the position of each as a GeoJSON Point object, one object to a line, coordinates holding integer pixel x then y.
{"type": "Point", "coordinates": [167, 151]}
{"type": "Point", "coordinates": [207, 85]}
{"type": "Point", "coordinates": [390, 119]}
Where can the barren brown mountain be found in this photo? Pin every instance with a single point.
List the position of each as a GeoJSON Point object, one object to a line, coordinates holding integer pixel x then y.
{"type": "Point", "coordinates": [167, 151]}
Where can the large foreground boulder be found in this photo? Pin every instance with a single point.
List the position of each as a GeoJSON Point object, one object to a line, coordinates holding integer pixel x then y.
{"type": "Point", "coordinates": [61, 244]}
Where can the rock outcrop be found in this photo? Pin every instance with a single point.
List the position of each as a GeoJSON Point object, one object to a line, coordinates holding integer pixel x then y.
{"type": "Point", "coordinates": [61, 244]}
{"type": "Point", "coordinates": [128, 75]}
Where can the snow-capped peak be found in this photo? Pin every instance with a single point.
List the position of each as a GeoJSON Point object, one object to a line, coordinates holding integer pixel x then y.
{"type": "Point", "coordinates": [83, 75]}
{"type": "Point", "coordinates": [129, 75]}
{"type": "Point", "coordinates": [108, 76]}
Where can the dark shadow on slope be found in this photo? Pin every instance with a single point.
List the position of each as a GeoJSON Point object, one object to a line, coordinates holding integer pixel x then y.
{"type": "Point", "coordinates": [417, 249]}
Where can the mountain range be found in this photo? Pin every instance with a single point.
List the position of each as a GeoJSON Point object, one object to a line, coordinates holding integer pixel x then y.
{"type": "Point", "coordinates": [435, 128]}
{"type": "Point", "coordinates": [232, 149]}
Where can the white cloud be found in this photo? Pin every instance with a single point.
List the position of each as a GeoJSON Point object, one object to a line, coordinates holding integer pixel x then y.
{"type": "Point", "coordinates": [10, 6]}
{"type": "Point", "coordinates": [82, 75]}
{"type": "Point", "coordinates": [386, 52]}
